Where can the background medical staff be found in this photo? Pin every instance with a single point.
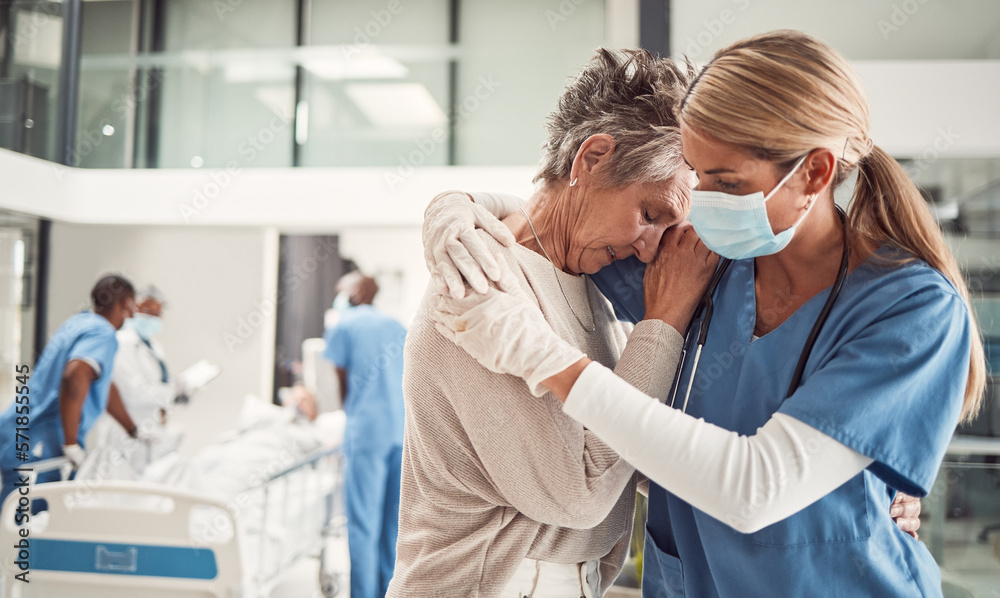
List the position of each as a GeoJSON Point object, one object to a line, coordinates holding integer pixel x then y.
{"type": "Point", "coordinates": [144, 382]}
{"type": "Point", "coordinates": [763, 474]}
{"type": "Point", "coordinates": [366, 346]}
{"type": "Point", "coordinates": [70, 386]}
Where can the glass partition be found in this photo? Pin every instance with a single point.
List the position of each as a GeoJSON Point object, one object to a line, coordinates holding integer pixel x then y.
{"type": "Point", "coordinates": [30, 60]}
{"type": "Point", "coordinates": [372, 83]}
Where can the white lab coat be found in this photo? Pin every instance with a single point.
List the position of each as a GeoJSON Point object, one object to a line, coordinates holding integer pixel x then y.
{"type": "Point", "coordinates": [139, 380]}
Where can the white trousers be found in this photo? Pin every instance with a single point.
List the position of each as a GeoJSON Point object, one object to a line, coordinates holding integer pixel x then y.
{"type": "Point", "coordinates": [539, 579]}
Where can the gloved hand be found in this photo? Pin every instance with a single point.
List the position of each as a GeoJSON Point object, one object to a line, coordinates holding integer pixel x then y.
{"type": "Point", "coordinates": [75, 454]}
{"type": "Point", "coordinates": [452, 249]}
{"type": "Point", "coordinates": [506, 334]}
{"type": "Point", "coordinates": [149, 434]}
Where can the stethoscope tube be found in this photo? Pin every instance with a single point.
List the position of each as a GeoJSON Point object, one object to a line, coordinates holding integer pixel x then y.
{"type": "Point", "coordinates": [703, 314]}
{"type": "Point", "coordinates": [845, 260]}
{"type": "Point", "coordinates": [703, 319]}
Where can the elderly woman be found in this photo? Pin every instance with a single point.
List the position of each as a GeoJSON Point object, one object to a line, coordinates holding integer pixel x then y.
{"type": "Point", "coordinates": [502, 494]}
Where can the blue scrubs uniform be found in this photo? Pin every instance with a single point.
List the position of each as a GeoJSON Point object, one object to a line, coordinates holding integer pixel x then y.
{"type": "Point", "coordinates": [621, 282]}
{"type": "Point", "coordinates": [369, 345]}
{"type": "Point", "coordinates": [85, 336]}
{"type": "Point", "coordinates": [886, 377]}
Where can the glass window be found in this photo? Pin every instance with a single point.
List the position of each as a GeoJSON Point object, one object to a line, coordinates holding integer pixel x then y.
{"type": "Point", "coordinates": [30, 60]}
{"type": "Point", "coordinates": [106, 117]}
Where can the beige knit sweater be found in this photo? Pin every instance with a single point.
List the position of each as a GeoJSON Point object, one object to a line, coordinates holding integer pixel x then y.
{"type": "Point", "coordinates": [491, 474]}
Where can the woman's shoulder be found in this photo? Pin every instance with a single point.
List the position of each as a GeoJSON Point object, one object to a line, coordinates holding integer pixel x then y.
{"type": "Point", "coordinates": [899, 274]}
{"type": "Point", "coordinates": [891, 283]}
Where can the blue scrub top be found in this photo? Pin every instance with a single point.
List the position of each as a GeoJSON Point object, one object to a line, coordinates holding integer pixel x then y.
{"type": "Point", "coordinates": [85, 336]}
{"type": "Point", "coordinates": [369, 345]}
{"type": "Point", "coordinates": [886, 377]}
{"type": "Point", "coordinates": [621, 283]}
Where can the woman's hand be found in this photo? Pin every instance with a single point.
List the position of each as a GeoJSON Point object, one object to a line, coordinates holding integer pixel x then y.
{"type": "Point", "coordinates": [506, 334]}
{"type": "Point", "coordinates": [453, 250]}
{"type": "Point", "coordinates": [905, 511]}
{"type": "Point", "coordinates": [677, 277]}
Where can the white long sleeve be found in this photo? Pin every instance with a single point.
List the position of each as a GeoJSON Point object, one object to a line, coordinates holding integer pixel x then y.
{"type": "Point", "coordinates": [748, 482]}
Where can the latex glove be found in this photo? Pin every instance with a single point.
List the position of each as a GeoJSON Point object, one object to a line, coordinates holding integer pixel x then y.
{"type": "Point", "coordinates": [500, 205]}
{"type": "Point", "coordinates": [149, 434]}
{"type": "Point", "coordinates": [452, 248]}
{"type": "Point", "coordinates": [905, 511]}
{"type": "Point", "coordinates": [506, 334]}
{"type": "Point", "coordinates": [75, 454]}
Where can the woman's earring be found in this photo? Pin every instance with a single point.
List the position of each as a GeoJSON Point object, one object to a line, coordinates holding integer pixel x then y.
{"type": "Point", "coordinates": [573, 183]}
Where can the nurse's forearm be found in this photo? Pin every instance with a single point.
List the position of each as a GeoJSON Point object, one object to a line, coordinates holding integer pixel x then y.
{"type": "Point", "coordinates": [660, 344]}
{"type": "Point", "coordinates": [563, 382]}
{"type": "Point", "coordinates": [747, 482]}
{"type": "Point", "coordinates": [342, 381]}
{"type": "Point", "coordinates": [73, 391]}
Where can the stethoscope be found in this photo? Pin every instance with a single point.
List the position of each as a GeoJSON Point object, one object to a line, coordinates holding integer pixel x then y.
{"type": "Point", "coordinates": [702, 319]}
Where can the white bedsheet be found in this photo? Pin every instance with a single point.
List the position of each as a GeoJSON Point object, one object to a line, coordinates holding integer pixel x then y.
{"type": "Point", "coordinates": [269, 439]}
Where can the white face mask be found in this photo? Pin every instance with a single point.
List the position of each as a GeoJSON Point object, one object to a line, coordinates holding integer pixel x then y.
{"type": "Point", "coordinates": [342, 302]}
{"type": "Point", "coordinates": [145, 325]}
{"type": "Point", "coordinates": [736, 226]}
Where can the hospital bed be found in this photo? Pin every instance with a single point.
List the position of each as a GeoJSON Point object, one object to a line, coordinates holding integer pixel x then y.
{"type": "Point", "coordinates": [114, 539]}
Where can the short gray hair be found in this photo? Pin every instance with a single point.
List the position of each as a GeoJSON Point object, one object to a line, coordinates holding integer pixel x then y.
{"type": "Point", "coordinates": [631, 96]}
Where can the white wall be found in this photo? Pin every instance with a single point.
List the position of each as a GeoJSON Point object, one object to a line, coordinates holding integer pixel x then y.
{"type": "Point", "coordinates": [213, 279]}
{"type": "Point", "coordinates": [861, 30]}
{"type": "Point", "coordinates": [395, 258]}
{"type": "Point", "coordinates": [934, 109]}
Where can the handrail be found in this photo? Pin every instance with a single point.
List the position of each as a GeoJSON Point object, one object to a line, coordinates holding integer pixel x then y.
{"type": "Point", "coordinates": [304, 461]}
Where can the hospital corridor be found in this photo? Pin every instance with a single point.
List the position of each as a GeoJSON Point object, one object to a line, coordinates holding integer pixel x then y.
{"type": "Point", "coordinates": [532, 298]}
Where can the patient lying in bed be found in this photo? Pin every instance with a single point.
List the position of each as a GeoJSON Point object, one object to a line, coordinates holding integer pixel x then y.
{"type": "Point", "coordinates": [269, 439]}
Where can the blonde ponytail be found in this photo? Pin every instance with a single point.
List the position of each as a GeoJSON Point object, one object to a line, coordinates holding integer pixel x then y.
{"type": "Point", "coordinates": [782, 94]}
{"type": "Point", "coordinates": [888, 209]}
